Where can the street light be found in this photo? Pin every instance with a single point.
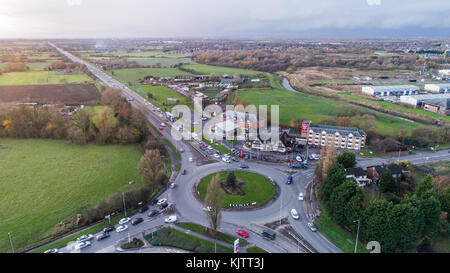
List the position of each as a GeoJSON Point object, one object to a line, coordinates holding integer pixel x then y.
{"type": "Point", "coordinates": [10, 241]}
{"type": "Point", "coordinates": [357, 234]}
{"type": "Point", "coordinates": [124, 206]}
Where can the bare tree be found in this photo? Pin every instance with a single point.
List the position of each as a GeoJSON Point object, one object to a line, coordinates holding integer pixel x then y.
{"type": "Point", "coordinates": [214, 200]}
{"type": "Point", "coordinates": [151, 168]}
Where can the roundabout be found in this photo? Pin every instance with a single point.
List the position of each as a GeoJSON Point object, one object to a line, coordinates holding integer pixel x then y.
{"type": "Point", "coordinates": [250, 190]}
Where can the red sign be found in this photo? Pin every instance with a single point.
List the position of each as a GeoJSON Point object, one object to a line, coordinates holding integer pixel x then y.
{"type": "Point", "coordinates": [304, 128]}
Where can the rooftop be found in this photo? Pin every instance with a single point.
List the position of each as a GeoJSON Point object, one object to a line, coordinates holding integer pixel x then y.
{"type": "Point", "coordinates": [438, 102]}
{"type": "Point", "coordinates": [394, 87]}
{"type": "Point", "coordinates": [330, 129]}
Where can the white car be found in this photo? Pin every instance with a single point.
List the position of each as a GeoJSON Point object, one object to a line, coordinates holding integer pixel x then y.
{"type": "Point", "coordinates": [216, 155]}
{"type": "Point", "coordinates": [190, 159]}
{"type": "Point", "coordinates": [171, 219]}
{"type": "Point", "coordinates": [294, 214]}
{"type": "Point", "coordinates": [124, 220]}
{"type": "Point", "coordinates": [207, 209]}
{"type": "Point", "coordinates": [84, 238]}
{"type": "Point", "coordinates": [226, 160]}
{"type": "Point", "coordinates": [312, 227]}
{"type": "Point", "coordinates": [173, 185]}
{"type": "Point", "coordinates": [163, 125]}
{"type": "Point", "coordinates": [81, 245]}
{"type": "Point", "coordinates": [299, 159]}
{"type": "Point", "coordinates": [121, 228]}
{"type": "Point", "coordinates": [300, 196]}
{"type": "Point", "coordinates": [55, 250]}
{"type": "Point", "coordinates": [161, 201]}
{"type": "Point", "coordinates": [209, 147]}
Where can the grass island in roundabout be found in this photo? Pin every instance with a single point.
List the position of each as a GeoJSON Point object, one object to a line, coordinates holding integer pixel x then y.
{"type": "Point", "coordinates": [249, 188]}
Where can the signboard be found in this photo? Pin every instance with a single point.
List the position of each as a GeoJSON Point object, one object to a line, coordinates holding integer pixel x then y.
{"type": "Point", "coordinates": [304, 128]}
{"type": "Point", "coordinates": [236, 246]}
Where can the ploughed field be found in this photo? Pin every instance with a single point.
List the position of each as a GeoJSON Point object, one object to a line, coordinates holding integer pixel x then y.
{"type": "Point", "coordinates": [46, 182]}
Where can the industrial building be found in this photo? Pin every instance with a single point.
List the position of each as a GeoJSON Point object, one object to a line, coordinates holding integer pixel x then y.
{"type": "Point", "coordinates": [438, 106]}
{"type": "Point", "coordinates": [417, 100]}
{"type": "Point", "coordinates": [391, 90]}
{"type": "Point", "coordinates": [340, 137]}
{"type": "Point", "coordinates": [437, 88]}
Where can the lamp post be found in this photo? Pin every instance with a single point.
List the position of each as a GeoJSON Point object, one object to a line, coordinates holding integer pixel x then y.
{"type": "Point", "coordinates": [357, 234]}
{"type": "Point", "coordinates": [10, 241]}
{"type": "Point", "coordinates": [124, 206]}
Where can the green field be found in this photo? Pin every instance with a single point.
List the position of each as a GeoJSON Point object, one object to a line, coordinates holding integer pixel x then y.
{"type": "Point", "coordinates": [165, 62]}
{"type": "Point", "coordinates": [162, 94]}
{"type": "Point", "coordinates": [208, 69]}
{"type": "Point", "coordinates": [45, 182]}
{"type": "Point", "coordinates": [221, 236]}
{"type": "Point", "coordinates": [134, 75]}
{"type": "Point", "coordinates": [257, 189]}
{"type": "Point", "coordinates": [41, 77]}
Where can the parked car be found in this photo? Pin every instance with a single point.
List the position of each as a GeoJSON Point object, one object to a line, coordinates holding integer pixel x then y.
{"type": "Point", "coordinates": [124, 220]}
{"type": "Point", "coordinates": [136, 221]}
{"type": "Point", "coordinates": [190, 159]}
{"type": "Point", "coordinates": [121, 228]}
{"type": "Point", "coordinates": [183, 172]}
{"type": "Point", "coordinates": [312, 227]}
{"type": "Point", "coordinates": [161, 128]}
{"type": "Point", "coordinates": [171, 219]}
{"type": "Point", "coordinates": [299, 159]}
{"type": "Point", "coordinates": [242, 233]}
{"type": "Point", "coordinates": [173, 185]}
{"type": "Point", "coordinates": [294, 214]}
{"type": "Point", "coordinates": [108, 229]}
{"type": "Point", "coordinates": [152, 213]}
{"type": "Point", "coordinates": [161, 201]}
{"type": "Point", "coordinates": [82, 245]}
{"type": "Point", "coordinates": [300, 196]}
{"type": "Point", "coordinates": [102, 236]}
{"type": "Point", "coordinates": [143, 209]}
{"type": "Point", "coordinates": [226, 160]}
{"type": "Point", "coordinates": [55, 250]}
{"type": "Point", "coordinates": [163, 125]}
{"type": "Point", "coordinates": [84, 238]}
{"type": "Point", "coordinates": [216, 155]}
{"type": "Point", "coordinates": [154, 201]}
{"type": "Point", "coordinates": [235, 159]}
{"type": "Point", "coordinates": [243, 166]}
{"type": "Point", "coordinates": [163, 205]}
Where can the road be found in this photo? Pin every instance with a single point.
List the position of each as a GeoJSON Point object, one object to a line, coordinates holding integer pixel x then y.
{"type": "Point", "coordinates": [189, 209]}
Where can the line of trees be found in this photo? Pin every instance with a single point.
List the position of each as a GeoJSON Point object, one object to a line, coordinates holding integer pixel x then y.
{"type": "Point", "coordinates": [398, 226]}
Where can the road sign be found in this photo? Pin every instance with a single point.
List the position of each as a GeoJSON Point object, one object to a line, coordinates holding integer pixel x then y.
{"type": "Point", "coordinates": [236, 246]}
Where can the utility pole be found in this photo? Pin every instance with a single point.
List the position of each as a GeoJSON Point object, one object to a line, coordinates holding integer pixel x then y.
{"type": "Point", "coordinates": [357, 234]}
{"type": "Point", "coordinates": [10, 241]}
{"type": "Point", "coordinates": [124, 206]}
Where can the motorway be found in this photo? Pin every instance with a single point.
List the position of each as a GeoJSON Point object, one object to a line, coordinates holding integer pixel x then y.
{"type": "Point", "coordinates": [189, 209]}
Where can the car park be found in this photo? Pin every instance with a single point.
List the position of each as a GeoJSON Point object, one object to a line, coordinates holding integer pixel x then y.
{"type": "Point", "coordinates": [300, 196]}
{"type": "Point", "coordinates": [143, 209]}
{"type": "Point", "coordinates": [102, 236]}
{"type": "Point", "coordinates": [242, 233]}
{"type": "Point", "coordinates": [312, 227]}
{"type": "Point", "coordinates": [171, 219]}
{"type": "Point", "coordinates": [82, 245]}
{"type": "Point", "coordinates": [84, 238]}
{"type": "Point", "coordinates": [121, 228]}
{"type": "Point", "coordinates": [294, 214]}
{"type": "Point", "coordinates": [136, 221]}
{"type": "Point", "coordinates": [152, 213]}
{"type": "Point", "coordinates": [124, 220]}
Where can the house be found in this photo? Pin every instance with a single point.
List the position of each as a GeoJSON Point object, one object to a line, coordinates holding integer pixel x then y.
{"type": "Point", "coordinates": [374, 172]}
{"type": "Point", "coordinates": [359, 176]}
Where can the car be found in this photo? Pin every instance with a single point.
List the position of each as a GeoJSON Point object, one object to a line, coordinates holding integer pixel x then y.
{"type": "Point", "coordinates": [102, 236]}
{"type": "Point", "coordinates": [82, 245]}
{"type": "Point", "coordinates": [207, 209]}
{"type": "Point", "coordinates": [163, 125]}
{"type": "Point", "coordinates": [216, 155]}
{"type": "Point", "coordinates": [233, 151]}
{"type": "Point", "coordinates": [209, 147]}
{"type": "Point", "coordinates": [171, 219]}
{"type": "Point", "coordinates": [108, 229]}
{"type": "Point", "coordinates": [161, 128]}
{"type": "Point", "coordinates": [173, 186]}
{"type": "Point", "coordinates": [300, 196]}
{"type": "Point", "coordinates": [242, 233]}
{"type": "Point", "coordinates": [137, 221]}
{"type": "Point", "coordinates": [246, 156]}
{"type": "Point", "coordinates": [143, 209]}
{"type": "Point", "coordinates": [164, 205]}
{"type": "Point", "coordinates": [226, 160]}
{"type": "Point", "coordinates": [243, 166]}
{"type": "Point", "coordinates": [312, 227]}
{"type": "Point", "coordinates": [121, 228]}
{"type": "Point", "coordinates": [161, 201]}
{"type": "Point", "coordinates": [84, 238]}
{"type": "Point", "coordinates": [124, 220]}
{"type": "Point", "coordinates": [55, 250]}
{"type": "Point", "coordinates": [289, 180]}
{"type": "Point", "coordinates": [210, 152]}
{"type": "Point", "coordinates": [299, 159]}
{"type": "Point", "coordinates": [203, 148]}
{"type": "Point", "coordinates": [235, 159]}
{"type": "Point", "coordinates": [152, 213]}
{"type": "Point", "coordinates": [154, 201]}
{"type": "Point", "coordinates": [314, 146]}
{"type": "Point", "coordinates": [294, 214]}
{"type": "Point", "coordinates": [183, 172]}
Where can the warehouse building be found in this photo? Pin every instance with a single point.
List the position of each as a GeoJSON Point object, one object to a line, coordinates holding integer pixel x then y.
{"type": "Point", "coordinates": [438, 106]}
{"type": "Point", "coordinates": [418, 100]}
{"type": "Point", "coordinates": [437, 88]}
{"type": "Point", "coordinates": [340, 137]}
{"type": "Point", "coordinates": [391, 90]}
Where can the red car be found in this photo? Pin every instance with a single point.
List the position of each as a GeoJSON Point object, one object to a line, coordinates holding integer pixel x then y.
{"type": "Point", "coordinates": [242, 233]}
{"type": "Point", "coordinates": [314, 146]}
{"type": "Point", "coordinates": [161, 128]}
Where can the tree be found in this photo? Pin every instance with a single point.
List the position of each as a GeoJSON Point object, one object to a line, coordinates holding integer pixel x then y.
{"type": "Point", "coordinates": [328, 159]}
{"type": "Point", "coordinates": [347, 158]}
{"type": "Point", "coordinates": [444, 200]}
{"type": "Point", "coordinates": [81, 126]}
{"type": "Point", "coordinates": [339, 203]}
{"type": "Point", "coordinates": [214, 200]}
{"type": "Point", "coordinates": [335, 177]}
{"type": "Point", "coordinates": [106, 124]}
{"type": "Point", "coordinates": [231, 180]}
{"type": "Point", "coordinates": [431, 209]}
{"type": "Point", "coordinates": [151, 167]}
{"type": "Point", "coordinates": [425, 185]}
{"type": "Point", "coordinates": [387, 182]}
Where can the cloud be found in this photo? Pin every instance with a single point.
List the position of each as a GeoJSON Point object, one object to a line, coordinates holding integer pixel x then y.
{"type": "Point", "coordinates": [74, 2]}
{"type": "Point", "coordinates": [374, 2]}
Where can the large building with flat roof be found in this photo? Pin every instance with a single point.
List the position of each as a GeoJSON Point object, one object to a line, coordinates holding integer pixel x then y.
{"type": "Point", "coordinates": [416, 101]}
{"type": "Point", "coordinates": [391, 90]}
{"type": "Point", "coordinates": [340, 137]}
{"type": "Point", "coordinates": [437, 88]}
{"type": "Point", "coordinates": [438, 106]}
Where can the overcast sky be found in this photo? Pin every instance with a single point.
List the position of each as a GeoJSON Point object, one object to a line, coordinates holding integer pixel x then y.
{"type": "Point", "coordinates": [224, 19]}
